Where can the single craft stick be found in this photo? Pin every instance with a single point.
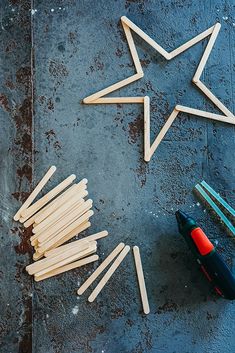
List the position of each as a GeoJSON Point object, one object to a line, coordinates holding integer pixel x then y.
{"type": "Point", "coordinates": [63, 209]}
{"type": "Point", "coordinates": [35, 192]}
{"type": "Point", "coordinates": [48, 197]}
{"type": "Point", "coordinates": [207, 115]}
{"type": "Point", "coordinates": [37, 256]}
{"type": "Point", "coordinates": [143, 35]}
{"type": "Point", "coordinates": [132, 48]}
{"type": "Point", "coordinates": [109, 273]}
{"type": "Point", "coordinates": [216, 209]}
{"type": "Point", "coordinates": [71, 234]}
{"type": "Point", "coordinates": [68, 267]}
{"type": "Point", "coordinates": [29, 221]}
{"type": "Point", "coordinates": [207, 52]}
{"type": "Point", "coordinates": [140, 275]}
{"type": "Point", "coordinates": [114, 100]}
{"type": "Point", "coordinates": [42, 264]}
{"type": "Point", "coordinates": [163, 131]}
{"type": "Point", "coordinates": [81, 191]}
{"type": "Point", "coordinates": [214, 99]}
{"type": "Point", "coordinates": [47, 245]}
{"type": "Point", "coordinates": [112, 88]}
{"type": "Point", "coordinates": [218, 198]}
{"type": "Point", "coordinates": [57, 250]}
{"type": "Point", "coordinates": [91, 250]}
{"type": "Point", "coordinates": [101, 268]}
{"type": "Point", "coordinates": [65, 221]}
{"type": "Point", "coordinates": [146, 128]}
{"type": "Point", "coordinates": [191, 42]}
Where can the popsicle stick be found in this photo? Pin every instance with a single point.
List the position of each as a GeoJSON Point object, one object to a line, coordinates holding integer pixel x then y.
{"type": "Point", "coordinates": [75, 199]}
{"type": "Point", "coordinates": [214, 99]}
{"type": "Point", "coordinates": [116, 100]}
{"type": "Point", "coordinates": [163, 131]}
{"type": "Point", "coordinates": [64, 232]}
{"type": "Point", "coordinates": [71, 234]}
{"type": "Point", "coordinates": [112, 88]}
{"type": "Point", "coordinates": [100, 269]}
{"type": "Point", "coordinates": [132, 48]}
{"type": "Point", "coordinates": [78, 192]}
{"type": "Point", "coordinates": [147, 39]}
{"type": "Point", "coordinates": [65, 221]}
{"type": "Point", "coordinates": [35, 192]}
{"type": "Point", "coordinates": [191, 42]}
{"type": "Point", "coordinates": [91, 250]}
{"type": "Point", "coordinates": [57, 250]}
{"type": "Point", "coordinates": [146, 128]}
{"type": "Point", "coordinates": [68, 267]}
{"type": "Point", "coordinates": [207, 52]}
{"type": "Point", "coordinates": [29, 221]}
{"type": "Point", "coordinates": [216, 209]}
{"type": "Point", "coordinates": [140, 275]}
{"type": "Point", "coordinates": [109, 273]}
{"type": "Point", "coordinates": [44, 263]}
{"type": "Point", "coordinates": [48, 197]}
{"type": "Point", "coordinates": [207, 115]}
{"type": "Point", "coordinates": [37, 256]}
{"type": "Point", "coordinates": [218, 198]}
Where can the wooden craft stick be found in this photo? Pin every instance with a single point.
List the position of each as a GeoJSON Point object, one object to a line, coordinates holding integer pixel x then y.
{"type": "Point", "coordinates": [213, 98]}
{"type": "Point", "coordinates": [116, 100]}
{"type": "Point", "coordinates": [79, 188]}
{"type": "Point", "coordinates": [34, 237]}
{"type": "Point", "coordinates": [91, 250]}
{"type": "Point", "coordinates": [207, 52]}
{"type": "Point", "coordinates": [29, 221]}
{"type": "Point", "coordinates": [65, 221]}
{"type": "Point", "coordinates": [63, 209]}
{"type": "Point", "coordinates": [112, 88]}
{"type": "Point", "coordinates": [163, 132]}
{"type": "Point", "coordinates": [48, 197]}
{"type": "Point", "coordinates": [140, 275]}
{"type": "Point", "coordinates": [109, 273]}
{"type": "Point", "coordinates": [146, 128]}
{"type": "Point", "coordinates": [147, 39]}
{"type": "Point", "coordinates": [71, 234]}
{"type": "Point", "coordinates": [191, 42]}
{"type": "Point", "coordinates": [37, 256]}
{"type": "Point", "coordinates": [132, 48]}
{"type": "Point", "coordinates": [57, 250]}
{"type": "Point", "coordinates": [207, 115]}
{"type": "Point", "coordinates": [100, 269]}
{"type": "Point", "coordinates": [35, 192]}
{"type": "Point", "coordinates": [44, 263]}
{"type": "Point", "coordinates": [47, 245]}
{"type": "Point", "coordinates": [68, 267]}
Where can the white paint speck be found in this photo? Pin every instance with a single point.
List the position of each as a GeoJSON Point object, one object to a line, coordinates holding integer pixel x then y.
{"type": "Point", "coordinates": [47, 316]}
{"type": "Point", "coordinates": [78, 282]}
{"type": "Point", "coordinates": [60, 8]}
{"type": "Point", "coordinates": [217, 10]}
{"type": "Point", "coordinates": [33, 11]}
{"type": "Point", "coordinates": [52, 10]}
{"type": "Point", "coordinates": [198, 204]}
{"type": "Point", "coordinates": [75, 310]}
{"type": "Point", "coordinates": [8, 304]}
{"type": "Point", "coordinates": [204, 211]}
{"type": "Point", "coordinates": [225, 18]}
{"type": "Point", "coordinates": [216, 242]}
{"type": "Point", "coordinates": [233, 24]}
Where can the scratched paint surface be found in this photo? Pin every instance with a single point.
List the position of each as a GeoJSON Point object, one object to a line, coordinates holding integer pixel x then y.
{"type": "Point", "coordinates": [79, 48]}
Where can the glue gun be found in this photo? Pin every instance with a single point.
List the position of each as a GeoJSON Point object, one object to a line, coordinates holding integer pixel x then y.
{"type": "Point", "coordinates": [211, 263]}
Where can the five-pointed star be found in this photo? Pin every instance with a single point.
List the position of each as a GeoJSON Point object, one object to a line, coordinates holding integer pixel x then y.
{"type": "Point", "coordinates": [98, 97]}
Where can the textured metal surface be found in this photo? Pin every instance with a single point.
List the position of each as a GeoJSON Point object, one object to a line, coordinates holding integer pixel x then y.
{"type": "Point", "coordinates": [78, 48]}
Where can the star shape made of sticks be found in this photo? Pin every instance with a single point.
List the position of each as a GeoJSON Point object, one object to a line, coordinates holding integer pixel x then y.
{"type": "Point", "coordinates": [99, 97]}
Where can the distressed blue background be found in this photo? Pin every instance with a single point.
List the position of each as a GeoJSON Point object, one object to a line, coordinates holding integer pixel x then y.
{"type": "Point", "coordinates": [52, 59]}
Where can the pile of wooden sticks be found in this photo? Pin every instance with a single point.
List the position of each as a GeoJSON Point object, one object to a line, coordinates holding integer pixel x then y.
{"type": "Point", "coordinates": [55, 219]}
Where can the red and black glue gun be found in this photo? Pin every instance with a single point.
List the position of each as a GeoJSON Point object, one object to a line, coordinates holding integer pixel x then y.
{"type": "Point", "coordinates": [211, 263]}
